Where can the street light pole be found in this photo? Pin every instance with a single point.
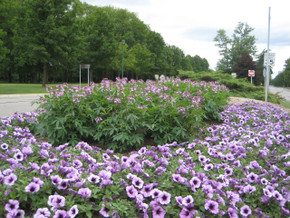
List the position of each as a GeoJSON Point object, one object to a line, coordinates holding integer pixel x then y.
{"type": "Point", "coordinates": [267, 76]}
{"type": "Point", "coordinates": [123, 44]}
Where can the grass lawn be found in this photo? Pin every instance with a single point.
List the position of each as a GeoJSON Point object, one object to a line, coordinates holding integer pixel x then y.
{"type": "Point", "coordinates": [24, 88]}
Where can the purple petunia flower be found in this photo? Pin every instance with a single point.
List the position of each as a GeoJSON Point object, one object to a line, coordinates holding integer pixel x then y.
{"type": "Point", "coordinates": [233, 198]}
{"type": "Point", "coordinates": [249, 189]}
{"type": "Point", "coordinates": [56, 201]}
{"type": "Point", "coordinates": [267, 193]}
{"type": "Point", "coordinates": [277, 195]}
{"type": "Point", "coordinates": [188, 200]}
{"type": "Point", "coordinates": [77, 164]}
{"type": "Point", "coordinates": [18, 156]}
{"type": "Point", "coordinates": [252, 177]}
{"type": "Point", "coordinates": [232, 213]}
{"type": "Point", "coordinates": [60, 214]}
{"type": "Point", "coordinates": [85, 192]}
{"type": "Point", "coordinates": [4, 146]}
{"type": "Point", "coordinates": [164, 198]}
{"type": "Point", "coordinates": [202, 159]}
{"type": "Point", "coordinates": [208, 190]}
{"type": "Point", "coordinates": [155, 193]}
{"type": "Point", "coordinates": [208, 167]}
{"type": "Point", "coordinates": [142, 150]}
{"type": "Point", "coordinates": [187, 212]}
{"type": "Point", "coordinates": [55, 179]}
{"type": "Point", "coordinates": [195, 182]}
{"type": "Point", "coordinates": [131, 191]}
{"type": "Point", "coordinates": [245, 211]}
{"type": "Point", "coordinates": [137, 182]}
{"type": "Point", "coordinates": [228, 171]}
{"type": "Point", "coordinates": [73, 211]}
{"type": "Point", "coordinates": [38, 181]}
{"type": "Point", "coordinates": [13, 205]}
{"type": "Point", "coordinates": [104, 174]}
{"type": "Point", "coordinates": [42, 212]}
{"type": "Point", "coordinates": [178, 178]}
{"type": "Point", "coordinates": [212, 206]}
{"type": "Point", "coordinates": [16, 213]}
{"type": "Point", "coordinates": [94, 178]}
{"type": "Point", "coordinates": [179, 200]}
{"type": "Point", "coordinates": [158, 212]}
{"type": "Point", "coordinates": [105, 211]}
{"type": "Point", "coordinates": [32, 187]}
{"type": "Point", "coordinates": [63, 184]}
{"type": "Point", "coordinates": [264, 181]}
{"type": "Point", "coordinates": [10, 179]}
{"type": "Point", "coordinates": [146, 190]}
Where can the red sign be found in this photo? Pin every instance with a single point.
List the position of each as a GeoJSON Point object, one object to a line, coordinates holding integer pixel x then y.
{"type": "Point", "coordinates": [251, 73]}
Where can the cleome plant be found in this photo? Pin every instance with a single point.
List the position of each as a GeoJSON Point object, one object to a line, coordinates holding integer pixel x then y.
{"type": "Point", "coordinates": [124, 115]}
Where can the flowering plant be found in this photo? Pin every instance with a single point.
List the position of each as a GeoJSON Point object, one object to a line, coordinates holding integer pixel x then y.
{"type": "Point", "coordinates": [121, 115]}
{"type": "Point", "coordinates": [239, 169]}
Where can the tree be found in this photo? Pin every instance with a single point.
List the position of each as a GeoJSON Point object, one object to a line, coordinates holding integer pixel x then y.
{"type": "Point", "coordinates": [44, 35]}
{"type": "Point", "coordinates": [129, 59]}
{"type": "Point", "coordinates": [143, 60]}
{"type": "Point", "coordinates": [224, 43]}
{"type": "Point", "coordinates": [287, 73]}
{"type": "Point", "coordinates": [233, 49]}
{"type": "Point", "coordinates": [283, 78]}
{"type": "Point", "coordinates": [245, 63]}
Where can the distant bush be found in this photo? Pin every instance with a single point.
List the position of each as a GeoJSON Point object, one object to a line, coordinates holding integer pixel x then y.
{"type": "Point", "coordinates": [121, 115]}
{"type": "Point", "coordinates": [237, 87]}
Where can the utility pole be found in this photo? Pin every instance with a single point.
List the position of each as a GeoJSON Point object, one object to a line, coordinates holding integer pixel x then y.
{"type": "Point", "coordinates": [267, 76]}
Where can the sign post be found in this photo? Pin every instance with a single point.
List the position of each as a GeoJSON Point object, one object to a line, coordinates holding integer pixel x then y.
{"type": "Point", "coordinates": [84, 66]}
{"type": "Point", "coordinates": [251, 73]}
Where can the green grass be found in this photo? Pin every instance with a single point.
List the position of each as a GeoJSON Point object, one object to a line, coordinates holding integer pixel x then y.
{"type": "Point", "coordinates": [23, 88]}
{"type": "Point", "coordinates": [285, 104]}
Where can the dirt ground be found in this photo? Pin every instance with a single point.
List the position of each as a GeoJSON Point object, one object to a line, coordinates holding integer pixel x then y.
{"type": "Point", "coordinates": [238, 100]}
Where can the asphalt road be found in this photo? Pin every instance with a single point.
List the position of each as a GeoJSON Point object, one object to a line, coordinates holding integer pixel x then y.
{"type": "Point", "coordinates": [285, 93]}
{"type": "Point", "coordinates": [9, 104]}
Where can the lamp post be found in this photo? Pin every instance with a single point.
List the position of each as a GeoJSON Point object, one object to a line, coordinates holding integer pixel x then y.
{"type": "Point", "coordinates": [267, 76]}
{"type": "Point", "coordinates": [123, 44]}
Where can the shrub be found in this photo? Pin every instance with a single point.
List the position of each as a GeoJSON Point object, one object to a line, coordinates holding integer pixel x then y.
{"type": "Point", "coordinates": [237, 87]}
{"type": "Point", "coordinates": [123, 114]}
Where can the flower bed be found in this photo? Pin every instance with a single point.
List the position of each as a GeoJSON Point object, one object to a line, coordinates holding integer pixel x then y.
{"type": "Point", "coordinates": [237, 170]}
{"type": "Point", "coordinates": [122, 115]}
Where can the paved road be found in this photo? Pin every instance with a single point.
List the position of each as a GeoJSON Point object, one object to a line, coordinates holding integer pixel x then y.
{"type": "Point", "coordinates": [285, 93]}
{"type": "Point", "coordinates": [9, 104]}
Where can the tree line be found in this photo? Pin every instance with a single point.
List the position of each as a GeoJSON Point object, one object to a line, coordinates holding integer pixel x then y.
{"type": "Point", "coordinates": [46, 40]}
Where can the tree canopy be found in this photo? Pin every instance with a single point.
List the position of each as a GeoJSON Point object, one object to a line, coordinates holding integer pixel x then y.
{"type": "Point", "coordinates": [283, 78]}
{"type": "Point", "coordinates": [46, 40]}
{"type": "Point", "coordinates": [233, 49]}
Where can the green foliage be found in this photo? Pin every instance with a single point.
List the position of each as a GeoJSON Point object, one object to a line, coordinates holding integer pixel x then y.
{"type": "Point", "coordinates": [123, 115]}
{"type": "Point", "coordinates": [283, 78]}
{"type": "Point", "coordinates": [238, 87]}
{"type": "Point", "coordinates": [232, 49]}
{"type": "Point", "coordinates": [47, 40]}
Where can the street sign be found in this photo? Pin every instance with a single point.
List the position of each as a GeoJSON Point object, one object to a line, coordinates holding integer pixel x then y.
{"type": "Point", "coordinates": [251, 73]}
{"type": "Point", "coordinates": [85, 66]}
{"type": "Point", "coordinates": [271, 59]}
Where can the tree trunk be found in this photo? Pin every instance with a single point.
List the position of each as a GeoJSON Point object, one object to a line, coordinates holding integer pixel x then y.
{"type": "Point", "coordinates": [45, 74]}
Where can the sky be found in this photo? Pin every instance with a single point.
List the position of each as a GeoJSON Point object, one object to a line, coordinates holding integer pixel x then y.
{"type": "Point", "coordinates": [192, 25]}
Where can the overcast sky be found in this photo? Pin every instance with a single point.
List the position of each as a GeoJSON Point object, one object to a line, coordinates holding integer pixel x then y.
{"type": "Point", "coordinates": [192, 24]}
